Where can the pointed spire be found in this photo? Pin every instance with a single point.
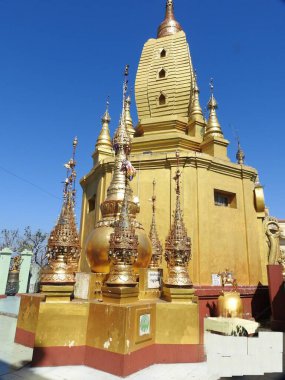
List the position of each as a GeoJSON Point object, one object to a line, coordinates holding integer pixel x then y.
{"type": "Point", "coordinates": [63, 248]}
{"type": "Point", "coordinates": [196, 111]}
{"type": "Point", "coordinates": [169, 26]}
{"type": "Point", "coordinates": [129, 121]}
{"type": "Point", "coordinates": [104, 138]}
{"type": "Point", "coordinates": [121, 145]}
{"type": "Point", "coordinates": [153, 235]}
{"type": "Point", "coordinates": [240, 156]}
{"type": "Point", "coordinates": [213, 126]}
{"type": "Point", "coordinates": [121, 139]}
{"type": "Point", "coordinates": [178, 244]}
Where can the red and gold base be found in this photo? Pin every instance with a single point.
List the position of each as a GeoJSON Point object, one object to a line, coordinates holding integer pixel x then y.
{"type": "Point", "coordinates": [115, 363]}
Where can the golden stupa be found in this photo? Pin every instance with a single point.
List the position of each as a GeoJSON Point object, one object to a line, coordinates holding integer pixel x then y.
{"type": "Point", "coordinates": [63, 248]}
{"type": "Point", "coordinates": [223, 206]}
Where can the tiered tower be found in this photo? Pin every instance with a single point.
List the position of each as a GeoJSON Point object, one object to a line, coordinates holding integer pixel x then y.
{"type": "Point", "coordinates": [223, 208]}
{"type": "Point", "coordinates": [63, 248]}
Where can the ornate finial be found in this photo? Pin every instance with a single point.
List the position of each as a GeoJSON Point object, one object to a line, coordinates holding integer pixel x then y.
{"type": "Point", "coordinates": [69, 183]}
{"type": "Point", "coordinates": [178, 173]}
{"type": "Point", "coordinates": [129, 121]}
{"type": "Point", "coordinates": [63, 248]}
{"type": "Point", "coordinates": [178, 244]}
{"type": "Point", "coordinates": [153, 235]}
{"type": "Point", "coordinates": [104, 139]}
{"type": "Point", "coordinates": [169, 26]}
{"type": "Point", "coordinates": [121, 138]}
{"type": "Point", "coordinates": [196, 111]}
{"type": "Point", "coordinates": [123, 246]}
{"type": "Point", "coordinates": [213, 126]}
{"type": "Point", "coordinates": [240, 156]}
{"type": "Point", "coordinates": [106, 117]}
{"type": "Point", "coordinates": [211, 84]}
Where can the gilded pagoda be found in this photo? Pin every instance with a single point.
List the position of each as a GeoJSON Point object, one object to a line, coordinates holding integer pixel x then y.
{"type": "Point", "coordinates": [222, 200]}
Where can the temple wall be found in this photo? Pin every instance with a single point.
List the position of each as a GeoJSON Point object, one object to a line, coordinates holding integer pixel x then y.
{"type": "Point", "coordinates": [222, 237]}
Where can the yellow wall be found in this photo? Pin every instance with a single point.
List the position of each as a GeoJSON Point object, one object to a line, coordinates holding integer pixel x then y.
{"type": "Point", "coordinates": [222, 237]}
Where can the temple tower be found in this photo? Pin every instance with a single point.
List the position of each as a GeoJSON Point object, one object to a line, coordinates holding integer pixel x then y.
{"type": "Point", "coordinates": [223, 208]}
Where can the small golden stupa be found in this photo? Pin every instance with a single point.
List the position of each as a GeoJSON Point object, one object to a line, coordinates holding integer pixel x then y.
{"type": "Point", "coordinates": [178, 245]}
{"type": "Point", "coordinates": [156, 257]}
{"type": "Point", "coordinates": [123, 246]}
{"type": "Point", "coordinates": [63, 248]}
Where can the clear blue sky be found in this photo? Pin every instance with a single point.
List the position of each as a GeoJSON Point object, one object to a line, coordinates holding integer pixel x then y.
{"type": "Point", "coordinates": [61, 58]}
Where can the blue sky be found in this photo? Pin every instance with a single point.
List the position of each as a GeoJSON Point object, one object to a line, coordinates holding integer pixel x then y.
{"type": "Point", "coordinates": [60, 59]}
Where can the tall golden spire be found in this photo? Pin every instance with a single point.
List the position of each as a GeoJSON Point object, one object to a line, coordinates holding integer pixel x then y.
{"type": "Point", "coordinates": [104, 138]}
{"type": "Point", "coordinates": [129, 121]}
{"type": "Point", "coordinates": [196, 111]}
{"type": "Point", "coordinates": [169, 25]}
{"type": "Point", "coordinates": [213, 126]}
{"type": "Point", "coordinates": [63, 248]}
{"type": "Point", "coordinates": [153, 235]}
{"type": "Point", "coordinates": [122, 146]}
{"type": "Point", "coordinates": [98, 241]}
{"type": "Point", "coordinates": [178, 244]}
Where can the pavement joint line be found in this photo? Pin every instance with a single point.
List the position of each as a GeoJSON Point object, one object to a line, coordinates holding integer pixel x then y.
{"type": "Point", "coordinates": [11, 315]}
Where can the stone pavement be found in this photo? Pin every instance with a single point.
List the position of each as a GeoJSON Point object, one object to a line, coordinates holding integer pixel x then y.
{"type": "Point", "coordinates": [15, 359]}
{"type": "Point", "coordinates": [10, 306]}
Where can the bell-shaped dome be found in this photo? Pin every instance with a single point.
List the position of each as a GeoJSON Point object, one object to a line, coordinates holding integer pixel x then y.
{"type": "Point", "coordinates": [169, 25]}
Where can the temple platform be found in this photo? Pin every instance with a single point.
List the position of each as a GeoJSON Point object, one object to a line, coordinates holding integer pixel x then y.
{"type": "Point", "coordinates": [123, 338]}
{"type": "Point", "coordinates": [117, 338]}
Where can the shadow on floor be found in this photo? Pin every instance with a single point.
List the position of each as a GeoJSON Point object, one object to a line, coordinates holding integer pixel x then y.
{"type": "Point", "coordinates": [10, 371]}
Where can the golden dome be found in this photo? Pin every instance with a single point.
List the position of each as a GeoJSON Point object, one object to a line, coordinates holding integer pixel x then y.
{"type": "Point", "coordinates": [98, 242]}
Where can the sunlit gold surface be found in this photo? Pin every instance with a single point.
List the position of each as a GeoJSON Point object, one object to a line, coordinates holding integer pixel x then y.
{"type": "Point", "coordinates": [108, 326]}
{"type": "Point", "coordinates": [115, 327]}
{"type": "Point", "coordinates": [29, 311]}
{"type": "Point", "coordinates": [97, 249]}
{"type": "Point", "coordinates": [259, 197]}
{"type": "Point", "coordinates": [62, 324]}
{"type": "Point", "coordinates": [179, 295]}
{"type": "Point", "coordinates": [230, 305]}
{"type": "Point", "coordinates": [177, 323]}
{"type": "Point", "coordinates": [120, 295]}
